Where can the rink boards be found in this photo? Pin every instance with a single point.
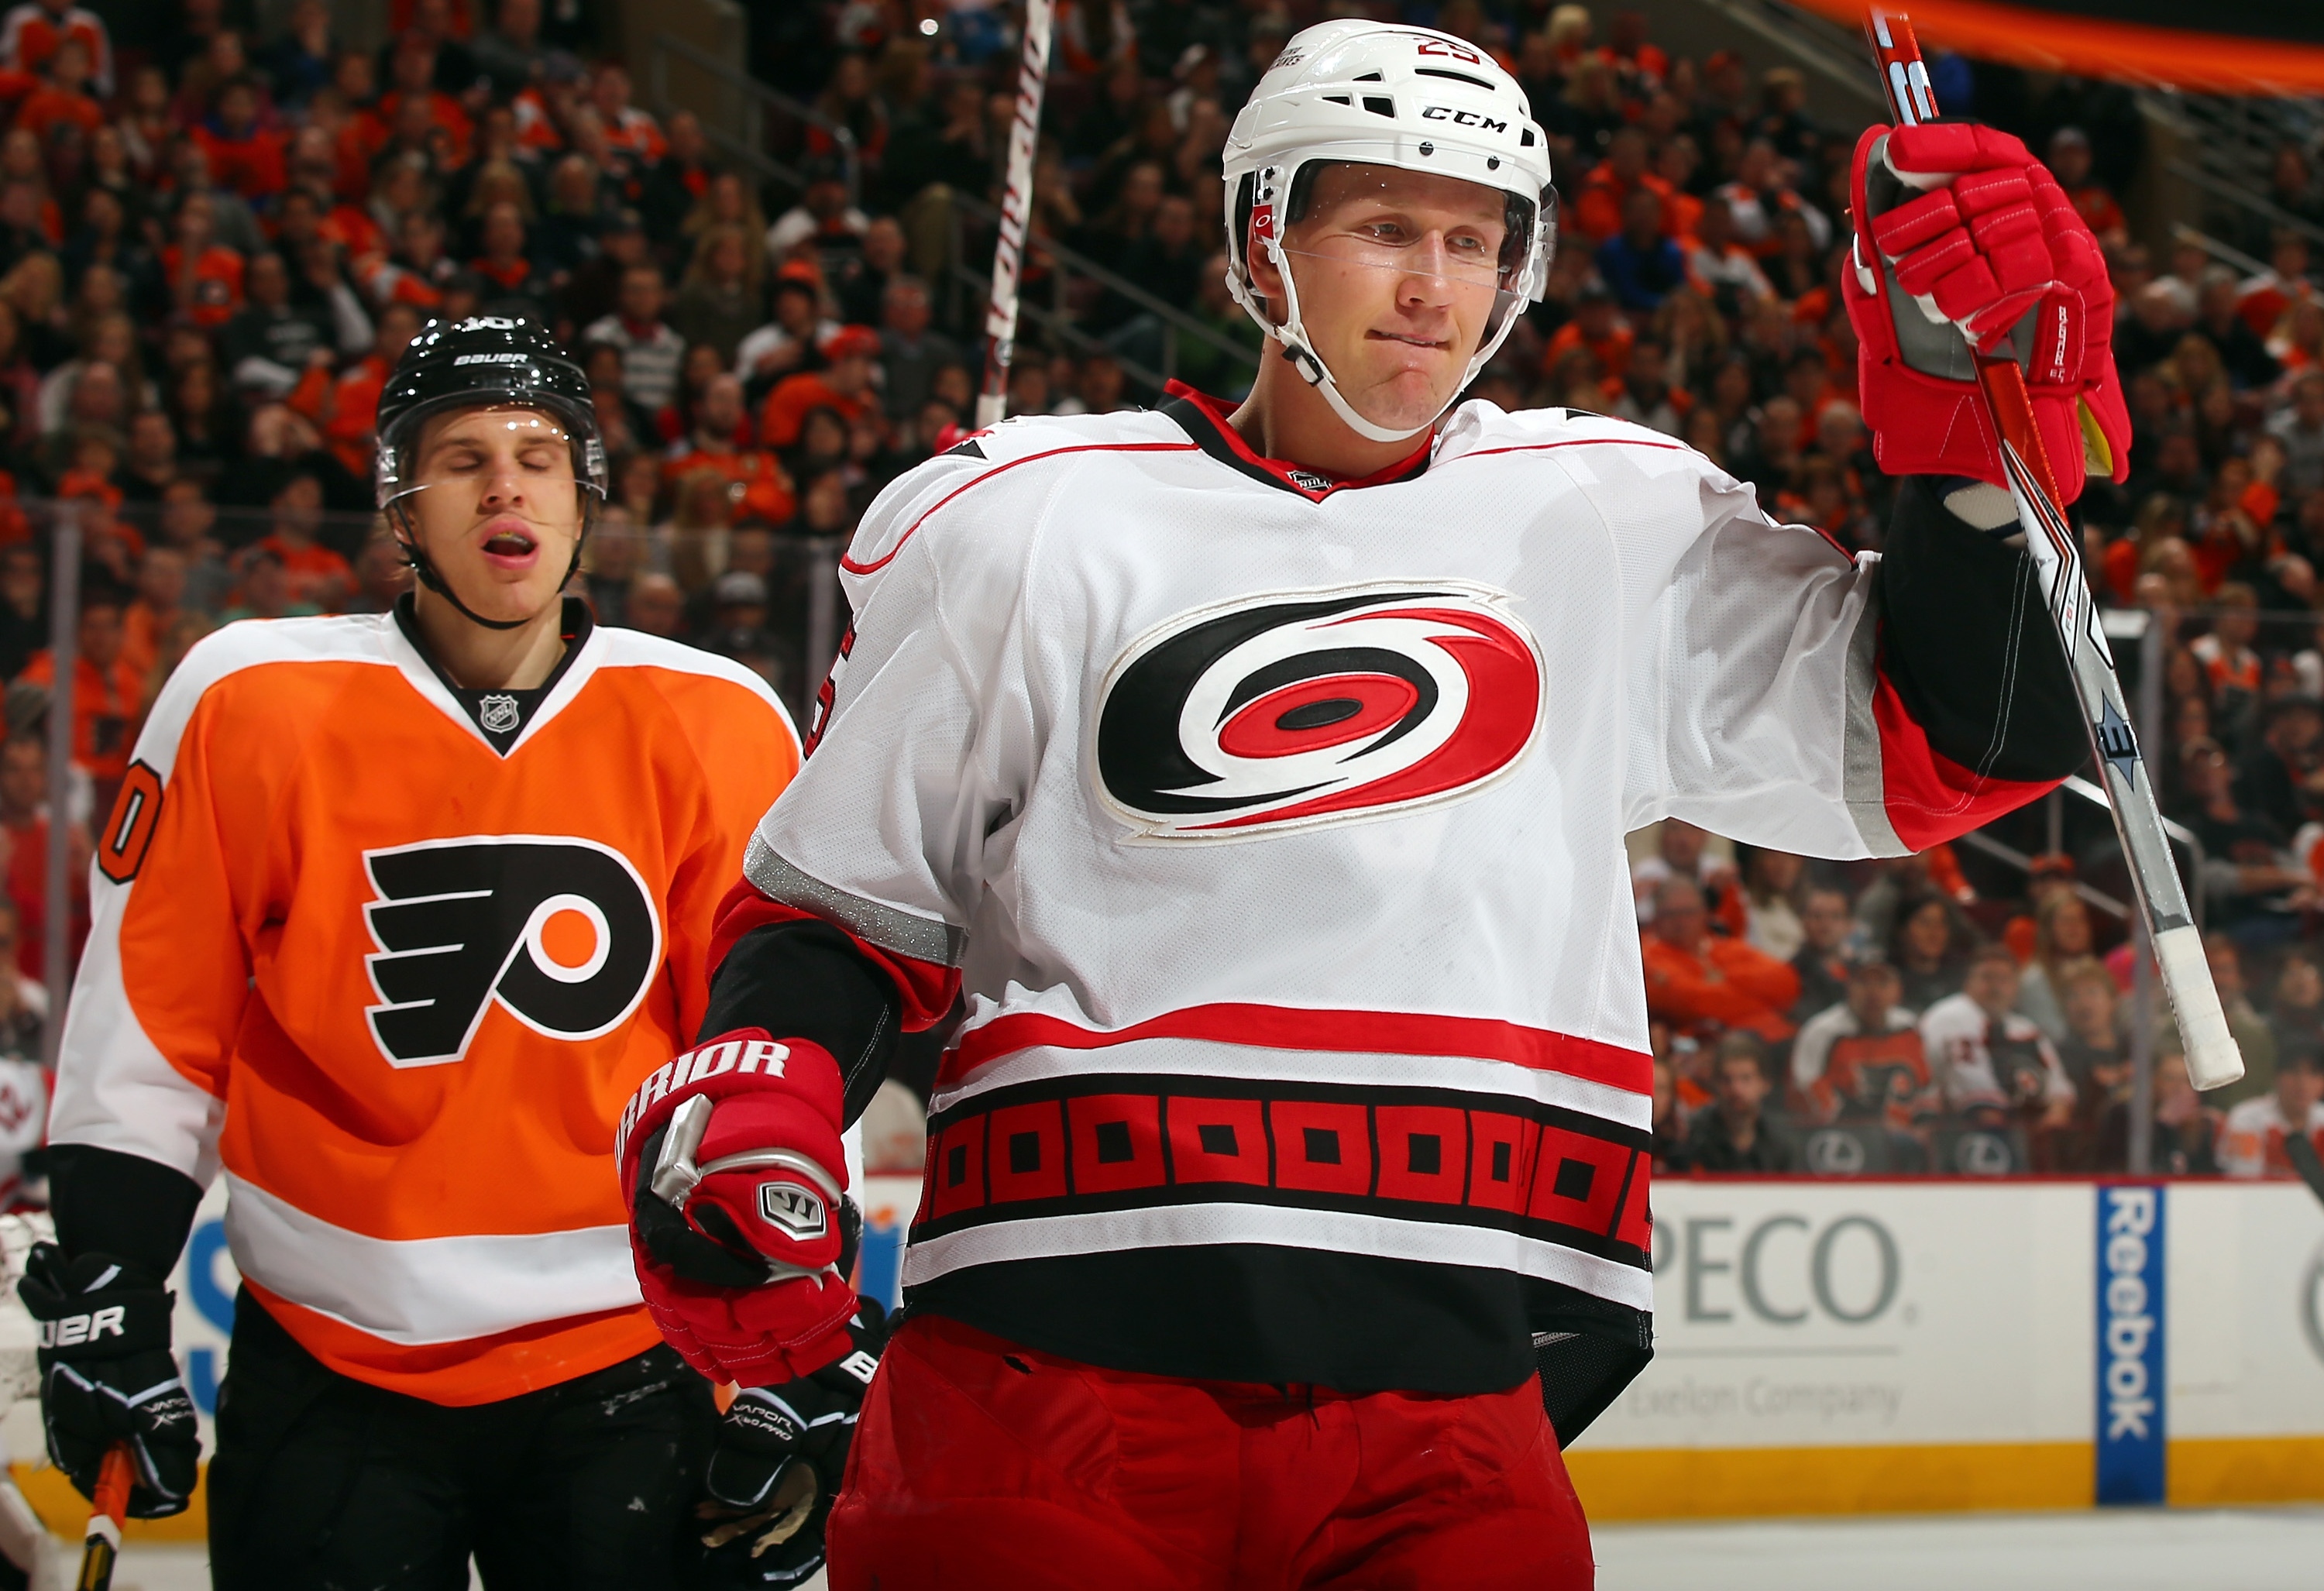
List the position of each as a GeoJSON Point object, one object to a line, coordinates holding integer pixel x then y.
{"type": "Point", "coordinates": [1832, 1347]}
{"type": "Point", "coordinates": [1839, 1346]}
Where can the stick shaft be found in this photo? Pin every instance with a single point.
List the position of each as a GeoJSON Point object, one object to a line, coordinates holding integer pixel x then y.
{"type": "Point", "coordinates": [2212, 1057]}
{"type": "Point", "coordinates": [111, 1507]}
{"type": "Point", "coordinates": [1016, 215]}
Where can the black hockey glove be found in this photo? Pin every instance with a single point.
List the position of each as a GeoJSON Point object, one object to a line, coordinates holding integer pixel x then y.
{"type": "Point", "coordinates": [776, 1470]}
{"type": "Point", "coordinates": [107, 1376]}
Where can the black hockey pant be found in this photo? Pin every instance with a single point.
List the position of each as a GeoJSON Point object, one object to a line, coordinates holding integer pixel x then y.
{"type": "Point", "coordinates": [322, 1482]}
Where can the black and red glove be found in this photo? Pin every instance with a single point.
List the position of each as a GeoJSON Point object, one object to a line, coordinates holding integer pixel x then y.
{"type": "Point", "coordinates": [108, 1376]}
{"type": "Point", "coordinates": [740, 1229]}
{"type": "Point", "coordinates": [776, 1471]}
{"type": "Point", "coordinates": [1961, 235]}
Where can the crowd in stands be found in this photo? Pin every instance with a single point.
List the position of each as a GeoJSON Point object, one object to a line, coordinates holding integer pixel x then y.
{"type": "Point", "coordinates": [1889, 1017]}
{"type": "Point", "coordinates": [214, 241]}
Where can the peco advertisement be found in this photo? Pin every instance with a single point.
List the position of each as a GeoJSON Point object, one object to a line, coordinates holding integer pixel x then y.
{"type": "Point", "coordinates": [1832, 1346]}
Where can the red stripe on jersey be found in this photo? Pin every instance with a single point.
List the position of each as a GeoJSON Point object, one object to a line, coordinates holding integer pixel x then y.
{"type": "Point", "coordinates": [852, 567]}
{"type": "Point", "coordinates": [1930, 797]}
{"type": "Point", "coordinates": [1576, 442]}
{"type": "Point", "coordinates": [927, 989]}
{"type": "Point", "coordinates": [1285, 1027]}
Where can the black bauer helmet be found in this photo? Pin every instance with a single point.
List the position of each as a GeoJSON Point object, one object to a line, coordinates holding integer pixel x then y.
{"type": "Point", "coordinates": [485, 361]}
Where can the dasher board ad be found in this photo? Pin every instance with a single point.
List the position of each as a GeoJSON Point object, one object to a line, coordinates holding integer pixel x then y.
{"type": "Point", "coordinates": [1830, 1346]}
{"type": "Point", "coordinates": [1801, 1314]}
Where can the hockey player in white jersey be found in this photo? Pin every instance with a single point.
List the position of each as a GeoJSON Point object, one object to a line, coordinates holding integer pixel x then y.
{"type": "Point", "coordinates": [1260, 778]}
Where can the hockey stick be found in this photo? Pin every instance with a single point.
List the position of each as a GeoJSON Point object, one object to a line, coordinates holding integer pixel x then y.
{"type": "Point", "coordinates": [2212, 1059]}
{"type": "Point", "coordinates": [1016, 215]}
{"type": "Point", "coordinates": [111, 1506]}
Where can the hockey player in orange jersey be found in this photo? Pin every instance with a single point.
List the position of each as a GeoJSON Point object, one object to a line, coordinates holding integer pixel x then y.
{"type": "Point", "coordinates": [392, 915]}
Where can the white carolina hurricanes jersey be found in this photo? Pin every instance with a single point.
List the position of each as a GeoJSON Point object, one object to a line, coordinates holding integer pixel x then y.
{"type": "Point", "coordinates": [1275, 825]}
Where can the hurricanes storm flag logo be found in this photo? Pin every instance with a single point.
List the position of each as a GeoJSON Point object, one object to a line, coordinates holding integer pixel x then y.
{"type": "Point", "coordinates": [560, 930]}
{"type": "Point", "coordinates": [1300, 708]}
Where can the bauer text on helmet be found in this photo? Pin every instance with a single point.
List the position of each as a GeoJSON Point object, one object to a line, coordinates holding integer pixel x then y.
{"type": "Point", "coordinates": [489, 463]}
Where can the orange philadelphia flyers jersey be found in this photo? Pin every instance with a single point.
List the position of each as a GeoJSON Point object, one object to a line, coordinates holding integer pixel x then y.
{"type": "Point", "coordinates": [394, 964]}
{"type": "Point", "coordinates": [1876, 1076]}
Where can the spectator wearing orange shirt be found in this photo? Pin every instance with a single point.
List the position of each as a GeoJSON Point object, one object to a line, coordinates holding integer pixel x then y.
{"type": "Point", "coordinates": [440, 20]}
{"type": "Point", "coordinates": [63, 100]}
{"type": "Point", "coordinates": [1597, 211]}
{"type": "Point", "coordinates": [418, 273]}
{"type": "Point", "coordinates": [24, 850]}
{"type": "Point", "coordinates": [1598, 327]}
{"type": "Point", "coordinates": [346, 408]}
{"type": "Point", "coordinates": [1636, 59]}
{"type": "Point", "coordinates": [843, 385]}
{"type": "Point", "coordinates": [107, 690]}
{"type": "Point", "coordinates": [316, 575]}
{"type": "Point", "coordinates": [203, 275]}
{"type": "Point", "coordinates": [160, 603]}
{"type": "Point", "coordinates": [721, 421]}
{"type": "Point", "coordinates": [506, 262]}
{"type": "Point", "coordinates": [2231, 667]}
{"type": "Point", "coordinates": [627, 128]}
{"type": "Point", "coordinates": [1695, 982]}
{"type": "Point", "coordinates": [1758, 194]}
{"type": "Point", "coordinates": [413, 76]}
{"type": "Point", "coordinates": [2069, 163]}
{"type": "Point", "coordinates": [245, 155]}
{"type": "Point", "coordinates": [2263, 299]}
{"type": "Point", "coordinates": [32, 32]}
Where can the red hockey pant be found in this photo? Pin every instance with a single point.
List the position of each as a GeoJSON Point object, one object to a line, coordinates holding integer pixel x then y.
{"type": "Point", "coordinates": [980, 1466]}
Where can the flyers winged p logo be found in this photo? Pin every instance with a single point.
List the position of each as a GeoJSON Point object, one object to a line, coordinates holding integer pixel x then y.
{"type": "Point", "coordinates": [561, 931]}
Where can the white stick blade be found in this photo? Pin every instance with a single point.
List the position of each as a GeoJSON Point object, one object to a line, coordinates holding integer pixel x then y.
{"type": "Point", "coordinates": [2213, 1061]}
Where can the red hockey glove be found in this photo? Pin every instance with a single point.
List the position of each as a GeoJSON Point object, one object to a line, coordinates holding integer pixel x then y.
{"type": "Point", "coordinates": [1961, 233]}
{"type": "Point", "coordinates": [741, 1230]}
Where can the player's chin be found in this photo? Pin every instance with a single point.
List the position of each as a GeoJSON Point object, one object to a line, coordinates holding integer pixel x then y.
{"type": "Point", "coordinates": [1412, 394]}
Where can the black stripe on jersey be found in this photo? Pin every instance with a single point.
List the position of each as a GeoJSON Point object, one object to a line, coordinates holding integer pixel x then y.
{"type": "Point", "coordinates": [1100, 1144]}
{"type": "Point", "coordinates": [1223, 442]}
{"type": "Point", "coordinates": [1261, 1313]}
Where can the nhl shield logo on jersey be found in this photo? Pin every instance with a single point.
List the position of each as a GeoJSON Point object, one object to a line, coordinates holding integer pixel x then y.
{"type": "Point", "coordinates": [561, 932]}
{"type": "Point", "coordinates": [1299, 708]}
{"type": "Point", "coordinates": [497, 714]}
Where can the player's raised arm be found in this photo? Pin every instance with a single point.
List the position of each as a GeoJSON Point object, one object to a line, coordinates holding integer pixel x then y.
{"type": "Point", "coordinates": [1906, 698]}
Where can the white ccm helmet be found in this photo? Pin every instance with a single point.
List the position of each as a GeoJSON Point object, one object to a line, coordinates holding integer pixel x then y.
{"type": "Point", "coordinates": [1382, 95]}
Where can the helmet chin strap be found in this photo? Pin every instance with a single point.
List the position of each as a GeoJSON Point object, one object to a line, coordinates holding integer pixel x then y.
{"type": "Point", "coordinates": [1294, 338]}
{"type": "Point", "coordinates": [424, 570]}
